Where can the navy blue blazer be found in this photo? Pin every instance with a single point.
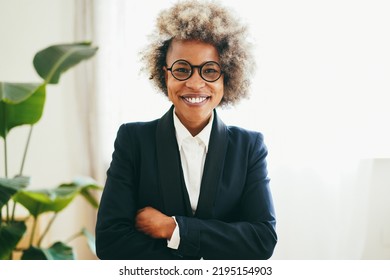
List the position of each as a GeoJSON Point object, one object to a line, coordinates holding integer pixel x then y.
{"type": "Point", "coordinates": [235, 215]}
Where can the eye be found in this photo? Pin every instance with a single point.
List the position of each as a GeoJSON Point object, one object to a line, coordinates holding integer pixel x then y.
{"type": "Point", "coordinates": [182, 70]}
{"type": "Point", "coordinates": [210, 71]}
{"type": "Point", "coordinates": [211, 68]}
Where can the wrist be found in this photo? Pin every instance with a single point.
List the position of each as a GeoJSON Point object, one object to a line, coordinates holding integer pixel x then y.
{"type": "Point", "coordinates": [169, 228]}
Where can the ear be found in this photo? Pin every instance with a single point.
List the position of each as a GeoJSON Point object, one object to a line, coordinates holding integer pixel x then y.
{"type": "Point", "coordinates": [166, 79]}
{"type": "Point", "coordinates": [165, 73]}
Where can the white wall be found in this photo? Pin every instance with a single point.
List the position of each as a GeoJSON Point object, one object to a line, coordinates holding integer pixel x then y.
{"type": "Point", "coordinates": [57, 150]}
{"type": "Point", "coordinates": [320, 96]}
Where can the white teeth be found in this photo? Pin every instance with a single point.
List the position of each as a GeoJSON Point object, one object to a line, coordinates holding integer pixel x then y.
{"type": "Point", "coordinates": [195, 100]}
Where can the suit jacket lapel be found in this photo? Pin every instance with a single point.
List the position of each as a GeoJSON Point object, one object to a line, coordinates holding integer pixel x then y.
{"type": "Point", "coordinates": [213, 168]}
{"type": "Point", "coordinates": [172, 187]}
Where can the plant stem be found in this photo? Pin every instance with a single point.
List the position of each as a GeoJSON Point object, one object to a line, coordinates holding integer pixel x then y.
{"type": "Point", "coordinates": [7, 212]}
{"type": "Point", "coordinates": [5, 139]}
{"type": "Point", "coordinates": [47, 229]}
{"type": "Point", "coordinates": [33, 230]}
{"type": "Point", "coordinates": [13, 212]}
{"type": "Point", "coordinates": [25, 151]}
{"type": "Point", "coordinates": [22, 167]}
{"type": "Point", "coordinates": [34, 225]}
{"type": "Point", "coordinates": [5, 157]}
{"type": "Point", "coordinates": [74, 236]}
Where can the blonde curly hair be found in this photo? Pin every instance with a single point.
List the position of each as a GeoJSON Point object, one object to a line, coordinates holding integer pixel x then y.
{"type": "Point", "coordinates": [211, 23]}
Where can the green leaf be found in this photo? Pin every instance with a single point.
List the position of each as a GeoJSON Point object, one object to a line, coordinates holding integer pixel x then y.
{"type": "Point", "coordinates": [89, 196]}
{"type": "Point", "coordinates": [10, 235]}
{"type": "Point", "coordinates": [50, 200]}
{"type": "Point", "coordinates": [55, 200]}
{"type": "Point", "coordinates": [86, 187]}
{"type": "Point", "coordinates": [13, 93]}
{"type": "Point", "coordinates": [20, 107]}
{"type": "Point", "coordinates": [33, 253]}
{"type": "Point", "coordinates": [58, 251]}
{"type": "Point", "coordinates": [51, 62]}
{"type": "Point", "coordinates": [8, 187]}
{"type": "Point", "coordinates": [90, 240]}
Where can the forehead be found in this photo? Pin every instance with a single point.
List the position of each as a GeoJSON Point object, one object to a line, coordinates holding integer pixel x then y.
{"type": "Point", "coordinates": [195, 52]}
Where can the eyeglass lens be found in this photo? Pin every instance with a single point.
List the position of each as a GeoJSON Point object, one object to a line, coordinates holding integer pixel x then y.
{"type": "Point", "coordinates": [182, 70]}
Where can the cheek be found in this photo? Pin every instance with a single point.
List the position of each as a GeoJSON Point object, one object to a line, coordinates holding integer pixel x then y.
{"type": "Point", "coordinates": [169, 93]}
{"type": "Point", "coordinates": [167, 84]}
{"type": "Point", "coordinates": [220, 89]}
{"type": "Point", "coordinates": [170, 89]}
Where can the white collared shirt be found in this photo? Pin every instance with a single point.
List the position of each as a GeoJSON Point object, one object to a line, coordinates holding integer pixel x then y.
{"type": "Point", "coordinates": [193, 150]}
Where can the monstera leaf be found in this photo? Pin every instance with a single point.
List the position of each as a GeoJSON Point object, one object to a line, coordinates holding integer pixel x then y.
{"type": "Point", "coordinates": [14, 93]}
{"type": "Point", "coordinates": [58, 251]}
{"type": "Point", "coordinates": [10, 235]}
{"type": "Point", "coordinates": [53, 200]}
{"type": "Point", "coordinates": [90, 240]}
{"type": "Point", "coordinates": [23, 103]}
{"type": "Point", "coordinates": [8, 187]}
{"type": "Point", "coordinates": [54, 60]}
{"type": "Point", "coordinates": [20, 104]}
{"type": "Point", "coordinates": [86, 186]}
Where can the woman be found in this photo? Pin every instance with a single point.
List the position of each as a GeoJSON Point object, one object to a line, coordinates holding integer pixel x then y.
{"type": "Point", "coordinates": [186, 186]}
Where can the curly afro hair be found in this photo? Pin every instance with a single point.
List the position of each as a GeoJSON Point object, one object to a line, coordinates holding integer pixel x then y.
{"type": "Point", "coordinates": [211, 23]}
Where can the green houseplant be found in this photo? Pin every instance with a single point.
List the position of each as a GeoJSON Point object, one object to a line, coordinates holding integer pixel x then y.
{"type": "Point", "coordinates": [23, 104]}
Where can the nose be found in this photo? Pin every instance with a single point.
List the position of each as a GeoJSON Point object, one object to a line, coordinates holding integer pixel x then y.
{"type": "Point", "coordinates": [195, 81]}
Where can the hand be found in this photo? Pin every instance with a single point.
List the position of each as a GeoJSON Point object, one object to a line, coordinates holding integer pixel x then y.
{"type": "Point", "coordinates": [154, 223]}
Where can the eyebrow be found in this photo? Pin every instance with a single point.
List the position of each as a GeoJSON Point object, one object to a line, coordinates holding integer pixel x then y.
{"type": "Point", "coordinates": [183, 61]}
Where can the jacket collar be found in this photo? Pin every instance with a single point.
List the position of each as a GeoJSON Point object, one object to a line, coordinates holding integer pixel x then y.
{"type": "Point", "coordinates": [182, 133]}
{"type": "Point", "coordinates": [172, 185]}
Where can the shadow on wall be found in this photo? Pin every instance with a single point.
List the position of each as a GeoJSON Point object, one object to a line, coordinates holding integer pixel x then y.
{"type": "Point", "coordinates": [377, 241]}
{"type": "Point", "coordinates": [342, 213]}
{"type": "Point", "coordinates": [365, 212]}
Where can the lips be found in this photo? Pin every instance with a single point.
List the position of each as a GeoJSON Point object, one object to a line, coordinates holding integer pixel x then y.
{"type": "Point", "coordinates": [195, 99]}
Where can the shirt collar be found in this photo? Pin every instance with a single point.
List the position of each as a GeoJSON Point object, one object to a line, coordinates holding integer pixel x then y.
{"type": "Point", "coordinates": [183, 133]}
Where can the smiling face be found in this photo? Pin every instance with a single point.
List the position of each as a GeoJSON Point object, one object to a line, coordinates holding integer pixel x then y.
{"type": "Point", "coordinates": [194, 99]}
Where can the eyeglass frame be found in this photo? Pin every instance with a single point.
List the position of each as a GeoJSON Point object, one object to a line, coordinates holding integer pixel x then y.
{"type": "Point", "coordinates": [199, 70]}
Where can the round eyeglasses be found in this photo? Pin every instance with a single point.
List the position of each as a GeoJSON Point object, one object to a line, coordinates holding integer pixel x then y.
{"type": "Point", "coordinates": [182, 70]}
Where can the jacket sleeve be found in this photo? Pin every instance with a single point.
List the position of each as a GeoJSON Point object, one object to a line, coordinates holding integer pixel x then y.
{"type": "Point", "coordinates": [252, 236]}
{"type": "Point", "coordinates": [116, 236]}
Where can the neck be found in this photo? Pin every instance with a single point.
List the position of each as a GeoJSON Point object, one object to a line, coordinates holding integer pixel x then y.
{"type": "Point", "coordinates": [194, 126]}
